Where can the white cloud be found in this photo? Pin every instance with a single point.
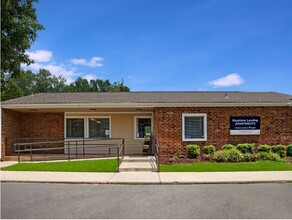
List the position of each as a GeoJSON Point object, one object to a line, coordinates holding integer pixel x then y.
{"type": "Point", "coordinates": [93, 62]}
{"type": "Point", "coordinates": [40, 55]}
{"type": "Point", "coordinates": [232, 79]}
{"type": "Point", "coordinates": [89, 77]}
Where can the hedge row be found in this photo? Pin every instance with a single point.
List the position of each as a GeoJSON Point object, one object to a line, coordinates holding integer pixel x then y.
{"type": "Point", "coordinates": [240, 152]}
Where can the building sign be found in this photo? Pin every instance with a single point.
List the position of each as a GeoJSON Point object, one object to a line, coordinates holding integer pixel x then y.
{"type": "Point", "coordinates": [244, 125]}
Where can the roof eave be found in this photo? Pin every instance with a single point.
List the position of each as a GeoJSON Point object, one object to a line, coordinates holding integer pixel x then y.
{"type": "Point", "coordinates": [136, 105]}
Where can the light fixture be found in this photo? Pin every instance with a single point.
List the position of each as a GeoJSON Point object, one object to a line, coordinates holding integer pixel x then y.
{"type": "Point", "coordinates": [139, 110]}
{"type": "Point", "coordinates": [93, 109]}
{"type": "Point", "coordinates": [33, 110]}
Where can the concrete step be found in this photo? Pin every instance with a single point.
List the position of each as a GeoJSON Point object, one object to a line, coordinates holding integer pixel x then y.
{"type": "Point", "coordinates": [136, 159]}
{"type": "Point", "coordinates": [137, 167]}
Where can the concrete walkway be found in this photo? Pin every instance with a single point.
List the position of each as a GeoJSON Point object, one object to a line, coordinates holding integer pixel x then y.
{"type": "Point", "coordinates": [147, 177]}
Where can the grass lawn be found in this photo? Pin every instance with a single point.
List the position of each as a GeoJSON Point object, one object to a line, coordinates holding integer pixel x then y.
{"type": "Point", "coordinates": [108, 165]}
{"type": "Point", "coordinates": [216, 167]}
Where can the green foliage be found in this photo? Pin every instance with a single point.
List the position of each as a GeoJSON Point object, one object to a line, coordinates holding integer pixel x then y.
{"type": "Point", "coordinates": [193, 150]}
{"type": "Point", "coordinates": [209, 149]}
{"type": "Point", "coordinates": [28, 83]}
{"type": "Point", "coordinates": [269, 156]}
{"type": "Point", "coordinates": [19, 26]}
{"type": "Point", "coordinates": [264, 148]}
{"type": "Point", "coordinates": [248, 157]}
{"type": "Point", "coordinates": [232, 155]}
{"type": "Point", "coordinates": [228, 147]}
{"type": "Point", "coordinates": [289, 150]}
{"type": "Point", "coordinates": [245, 148]}
{"type": "Point", "coordinates": [279, 149]}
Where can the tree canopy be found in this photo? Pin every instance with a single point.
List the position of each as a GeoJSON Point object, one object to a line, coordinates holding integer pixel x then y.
{"type": "Point", "coordinates": [27, 83]}
{"type": "Point", "coordinates": [19, 26]}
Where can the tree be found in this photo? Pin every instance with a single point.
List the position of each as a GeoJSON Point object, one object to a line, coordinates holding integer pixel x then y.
{"type": "Point", "coordinates": [19, 26]}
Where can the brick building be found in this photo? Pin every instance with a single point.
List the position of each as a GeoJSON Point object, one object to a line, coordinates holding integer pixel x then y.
{"type": "Point", "coordinates": [174, 118]}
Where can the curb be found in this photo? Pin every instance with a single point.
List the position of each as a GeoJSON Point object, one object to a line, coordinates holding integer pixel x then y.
{"type": "Point", "coordinates": [154, 183]}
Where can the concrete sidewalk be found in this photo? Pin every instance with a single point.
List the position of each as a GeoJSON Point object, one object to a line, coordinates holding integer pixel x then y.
{"type": "Point", "coordinates": [147, 177]}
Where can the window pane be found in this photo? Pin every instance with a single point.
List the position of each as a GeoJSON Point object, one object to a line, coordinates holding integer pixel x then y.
{"type": "Point", "coordinates": [75, 127]}
{"type": "Point", "coordinates": [143, 127]}
{"type": "Point", "coordinates": [99, 127]}
{"type": "Point", "coordinates": [194, 127]}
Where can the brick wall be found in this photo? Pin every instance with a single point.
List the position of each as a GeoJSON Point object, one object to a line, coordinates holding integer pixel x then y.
{"type": "Point", "coordinates": [276, 127]}
{"type": "Point", "coordinates": [11, 129]}
{"type": "Point", "coordinates": [29, 125]}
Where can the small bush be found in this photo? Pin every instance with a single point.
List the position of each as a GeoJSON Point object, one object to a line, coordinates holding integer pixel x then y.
{"type": "Point", "coordinates": [279, 149]}
{"type": "Point", "coordinates": [249, 157]}
{"type": "Point", "coordinates": [232, 155]}
{"type": "Point", "coordinates": [208, 157]}
{"type": "Point", "coordinates": [269, 156]}
{"type": "Point", "coordinates": [193, 150]}
{"type": "Point", "coordinates": [210, 149]}
{"type": "Point", "coordinates": [228, 147]}
{"type": "Point", "coordinates": [289, 150]}
{"type": "Point", "coordinates": [245, 148]}
{"type": "Point", "coordinates": [264, 148]}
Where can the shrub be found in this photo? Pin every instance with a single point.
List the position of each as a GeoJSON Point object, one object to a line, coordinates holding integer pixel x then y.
{"type": "Point", "coordinates": [210, 149]}
{"type": "Point", "coordinates": [208, 157]}
{"type": "Point", "coordinates": [264, 148]}
{"type": "Point", "coordinates": [228, 147]}
{"type": "Point", "coordinates": [232, 155]}
{"type": "Point", "coordinates": [279, 149]}
{"type": "Point", "coordinates": [193, 150]}
{"type": "Point", "coordinates": [245, 148]}
{"type": "Point", "coordinates": [249, 157]}
{"type": "Point", "coordinates": [269, 156]}
{"type": "Point", "coordinates": [289, 150]}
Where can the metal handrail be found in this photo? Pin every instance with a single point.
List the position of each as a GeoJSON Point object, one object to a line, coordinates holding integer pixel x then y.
{"type": "Point", "coordinates": [72, 144]}
{"type": "Point", "coordinates": [156, 154]}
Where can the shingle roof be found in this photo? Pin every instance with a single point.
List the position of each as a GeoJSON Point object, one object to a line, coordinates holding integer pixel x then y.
{"type": "Point", "coordinates": [153, 97]}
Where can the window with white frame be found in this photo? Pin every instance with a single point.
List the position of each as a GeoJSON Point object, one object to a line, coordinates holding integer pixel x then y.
{"type": "Point", "coordinates": [88, 127]}
{"type": "Point", "coordinates": [194, 127]}
{"type": "Point", "coordinates": [142, 126]}
{"type": "Point", "coordinates": [98, 127]}
{"type": "Point", "coordinates": [75, 127]}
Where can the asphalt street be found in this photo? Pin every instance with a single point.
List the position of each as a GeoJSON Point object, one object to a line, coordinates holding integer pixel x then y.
{"type": "Point", "coordinates": [34, 200]}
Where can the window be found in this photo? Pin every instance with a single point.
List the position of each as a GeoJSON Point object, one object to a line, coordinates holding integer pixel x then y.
{"type": "Point", "coordinates": [194, 127]}
{"type": "Point", "coordinates": [142, 127]}
{"type": "Point", "coordinates": [98, 127]}
{"type": "Point", "coordinates": [75, 127]}
{"type": "Point", "coordinates": [88, 127]}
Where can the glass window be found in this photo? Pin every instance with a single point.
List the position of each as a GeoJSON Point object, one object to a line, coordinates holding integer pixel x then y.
{"type": "Point", "coordinates": [98, 127]}
{"type": "Point", "coordinates": [75, 127]}
{"type": "Point", "coordinates": [194, 127]}
{"type": "Point", "coordinates": [143, 127]}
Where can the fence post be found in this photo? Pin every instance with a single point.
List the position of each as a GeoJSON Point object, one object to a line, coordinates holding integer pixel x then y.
{"type": "Point", "coordinates": [68, 150]}
{"type": "Point", "coordinates": [123, 146]}
{"type": "Point", "coordinates": [118, 165]}
{"type": "Point", "coordinates": [76, 149]}
{"type": "Point", "coordinates": [83, 148]}
{"type": "Point", "coordinates": [18, 154]}
{"type": "Point", "coordinates": [30, 152]}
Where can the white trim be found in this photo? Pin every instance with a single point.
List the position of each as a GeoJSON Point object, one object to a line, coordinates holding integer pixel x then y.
{"type": "Point", "coordinates": [205, 126]}
{"type": "Point", "coordinates": [135, 125]}
{"type": "Point", "coordinates": [136, 105]}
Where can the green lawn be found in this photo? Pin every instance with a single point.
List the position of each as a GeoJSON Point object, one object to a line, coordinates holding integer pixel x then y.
{"type": "Point", "coordinates": [216, 167]}
{"type": "Point", "coordinates": [108, 165]}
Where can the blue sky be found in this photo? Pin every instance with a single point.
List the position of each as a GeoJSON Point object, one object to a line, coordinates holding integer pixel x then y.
{"type": "Point", "coordinates": [177, 45]}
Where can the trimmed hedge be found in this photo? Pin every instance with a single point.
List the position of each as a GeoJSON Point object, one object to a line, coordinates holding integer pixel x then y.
{"type": "Point", "coordinates": [289, 150]}
{"type": "Point", "coordinates": [245, 148]}
{"type": "Point", "coordinates": [193, 150]}
{"type": "Point", "coordinates": [279, 149]}
{"type": "Point", "coordinates": [264, 148]}
{"type": "Point", "coordinates": [209, 149]}
{"type": "Point", "coordinates": [232, 155]}
{"type": "Point", "coordinates": [269, 156]}
{"type": "Point", "coordinates": [228, 147]}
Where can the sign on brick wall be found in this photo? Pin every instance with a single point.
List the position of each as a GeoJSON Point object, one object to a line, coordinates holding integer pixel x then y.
{"type": "Point", "coordinates": [245, 125]}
